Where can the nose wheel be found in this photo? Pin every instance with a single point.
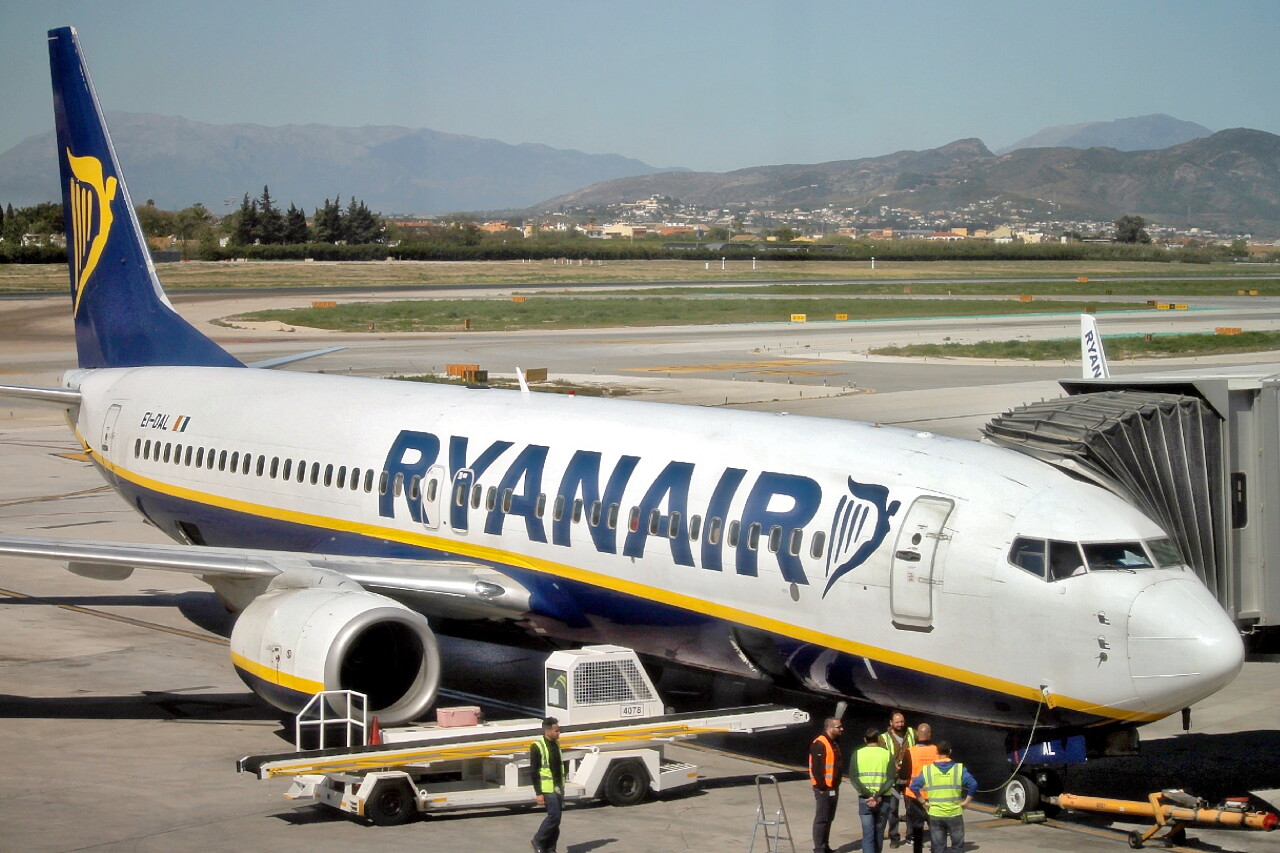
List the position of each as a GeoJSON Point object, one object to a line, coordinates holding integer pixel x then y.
{"type": "Point", "coordinates": [1019, 796]}
{"type": "Point", "coordinates": [1029, 792]}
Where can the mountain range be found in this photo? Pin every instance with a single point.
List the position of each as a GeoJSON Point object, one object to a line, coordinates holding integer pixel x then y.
{"type": "Point", "coordinates": [1124, 134]}
{"type": "Point", "coordinates": [1228, 181]}
{"type": "Point", "coordinates": [177, 162]}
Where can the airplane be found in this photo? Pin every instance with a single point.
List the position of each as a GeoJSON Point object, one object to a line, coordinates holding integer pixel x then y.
{"type": "Point", "coordinates": [348, 520]}
{"type": "Point", "coordinates": [1093, 355]}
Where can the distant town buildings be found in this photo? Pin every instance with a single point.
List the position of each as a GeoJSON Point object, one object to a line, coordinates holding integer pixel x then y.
{"type": "Point", "coordinates": [997, 219]}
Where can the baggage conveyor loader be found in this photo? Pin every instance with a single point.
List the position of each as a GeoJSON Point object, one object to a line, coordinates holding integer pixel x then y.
{"type": "Point", "coordinates": [613, 730]}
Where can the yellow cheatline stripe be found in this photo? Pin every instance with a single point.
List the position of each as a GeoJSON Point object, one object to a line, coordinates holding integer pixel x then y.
{"type": "Point", "coordinates": [621, 585]}
{"type": "Point", "coordinates": [275, 676]}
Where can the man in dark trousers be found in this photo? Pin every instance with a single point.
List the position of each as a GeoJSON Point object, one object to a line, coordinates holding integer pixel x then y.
{"type": "Point", "coordinates": [947, 788]}
{"type": "Point", "coordinates": [918, 758]}
{"type": "Point", "coordinates": [871, 772]}
{"type": "Point", "coordinates": [825, 768]}
{"type": "Point", "coordinates": [547, 768]}
{"type": "Point", "coordinates": [898, 738]}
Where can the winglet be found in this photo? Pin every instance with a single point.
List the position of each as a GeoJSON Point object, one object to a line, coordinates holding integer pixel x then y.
{"type": "Point", "coordinates": [122, 318]}
{"type": "Point", "coordinates": [1092, 354]}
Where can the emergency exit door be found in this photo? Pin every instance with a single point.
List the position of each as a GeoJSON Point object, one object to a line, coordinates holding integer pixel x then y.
{"type": "Point", "coordinates": [914, 558]}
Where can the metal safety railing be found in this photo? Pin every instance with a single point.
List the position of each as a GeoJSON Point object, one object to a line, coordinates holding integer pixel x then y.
{"type": "Point", "coordinates": [344, 711]}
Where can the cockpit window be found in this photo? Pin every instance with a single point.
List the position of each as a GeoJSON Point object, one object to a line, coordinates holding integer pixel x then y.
{"type": "Point", "coordinates": [1051, 560]}
{"type": "Point", "coordinates": [1028, 555]}
{"type": "Point", "coordinates": [1166, 553]}
{"type": "Point", "coordinates": [1116, 555]}
{"type": "Point", "coordinates": [1065, 560]}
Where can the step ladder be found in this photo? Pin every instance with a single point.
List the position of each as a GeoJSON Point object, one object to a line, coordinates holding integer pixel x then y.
{"type": "Point", "coordinates": [776, 829]}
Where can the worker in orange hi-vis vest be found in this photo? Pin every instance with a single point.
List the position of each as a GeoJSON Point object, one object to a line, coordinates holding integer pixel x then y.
{"type": "Point", "coordinates": [825, 768]}
{"type": "Point", "coordinates": [919, 756]}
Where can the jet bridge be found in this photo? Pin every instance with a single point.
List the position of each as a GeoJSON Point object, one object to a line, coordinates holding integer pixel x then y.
{"type": "Point", "coordinates": [1199, 453]}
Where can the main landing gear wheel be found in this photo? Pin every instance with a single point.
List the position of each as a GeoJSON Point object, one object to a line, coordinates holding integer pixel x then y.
{"type": "Point", "coordinates": [1019, 796]}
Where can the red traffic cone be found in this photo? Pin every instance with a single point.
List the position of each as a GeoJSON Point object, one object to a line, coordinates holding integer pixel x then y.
{"type": "Point", "coordinates": [375, 733]}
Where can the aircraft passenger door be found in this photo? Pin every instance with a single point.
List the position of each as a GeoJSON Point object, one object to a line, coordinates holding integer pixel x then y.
{"type": "Point", "coordinates": [911, 584]}
{"type": "Point", "coordinates": [109, 428]}
{"type": "Point", "coordinates": [433, 486]}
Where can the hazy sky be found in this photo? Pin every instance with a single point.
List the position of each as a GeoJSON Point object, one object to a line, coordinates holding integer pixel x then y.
{"type": "Point", "coordinates": [709, 85]}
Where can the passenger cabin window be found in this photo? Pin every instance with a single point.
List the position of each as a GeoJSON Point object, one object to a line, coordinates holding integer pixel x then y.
{"type": "Point", "coordinates": [818, 544]}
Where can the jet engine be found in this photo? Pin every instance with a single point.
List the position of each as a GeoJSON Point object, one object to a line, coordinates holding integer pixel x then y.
{"type": "Point", "coordinates": [291, 643]}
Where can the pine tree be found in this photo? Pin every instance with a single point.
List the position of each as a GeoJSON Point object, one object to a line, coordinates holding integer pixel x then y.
{"type": "Point", "coordinates": [270, 220]}
{"type": "Point", "coordinates": [328, 223]}
{"type": "Point", "coordinates": [362, 225]}
{"type": "Point", "coordinates": [295, 226]}
{"type": "Point", "coordinates": [246, 230]}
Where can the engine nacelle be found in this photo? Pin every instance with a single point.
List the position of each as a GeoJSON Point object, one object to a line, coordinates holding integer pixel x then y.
{"type": "Point", "coordinates": [290, 644]}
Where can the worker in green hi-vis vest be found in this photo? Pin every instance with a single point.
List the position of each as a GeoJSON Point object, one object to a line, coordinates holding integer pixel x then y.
{"type": "Point", "coordinates": [947, 788]}
{"type": "Point", "coordinates": [871, 772]}
{"type": "Point", "coordinates": [547, 767]}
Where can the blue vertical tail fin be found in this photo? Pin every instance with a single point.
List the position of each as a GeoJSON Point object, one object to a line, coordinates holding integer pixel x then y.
{"type": "Point", "coordinates": [122, 317]}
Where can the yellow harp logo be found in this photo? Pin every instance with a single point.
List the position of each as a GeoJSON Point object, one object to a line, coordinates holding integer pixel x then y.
{"type": "Point", "coordinates": [91, 198]}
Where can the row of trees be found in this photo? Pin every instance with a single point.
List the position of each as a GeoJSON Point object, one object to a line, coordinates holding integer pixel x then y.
{"type": "Point", "coordinates": [260, 221]}
{"type": "Point", "coordinates": [260, 230]}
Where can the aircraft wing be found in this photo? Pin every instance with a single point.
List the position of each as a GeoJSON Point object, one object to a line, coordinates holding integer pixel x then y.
{"type": "Point", "coordinates": [452, 589]}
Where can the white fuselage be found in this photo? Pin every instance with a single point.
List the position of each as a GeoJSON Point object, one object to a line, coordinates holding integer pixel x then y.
{"type": "Point", "coordinates": [861, 561]}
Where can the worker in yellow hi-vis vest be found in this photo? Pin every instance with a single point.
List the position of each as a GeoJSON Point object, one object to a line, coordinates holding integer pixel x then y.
{"type": "Point", "coordinates": [947, 788]}
{"type": "Point", "coordinates": [547, 768]}
{"type": "Point", "coordinates": [871, 772]}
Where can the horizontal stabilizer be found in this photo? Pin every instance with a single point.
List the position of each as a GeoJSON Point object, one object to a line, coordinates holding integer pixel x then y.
{"type": "Point", "coordinates": [63, 397]}
{"type": "Point", "coordinates": [281, 361]}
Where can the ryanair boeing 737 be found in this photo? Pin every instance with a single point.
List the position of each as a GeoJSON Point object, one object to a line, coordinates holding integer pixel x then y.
{"type": "Point", "coordinates": [347, 519]}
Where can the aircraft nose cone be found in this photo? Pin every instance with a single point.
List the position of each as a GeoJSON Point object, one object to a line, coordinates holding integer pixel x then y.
{"type": "Point", "coordinates": [1182, 646]}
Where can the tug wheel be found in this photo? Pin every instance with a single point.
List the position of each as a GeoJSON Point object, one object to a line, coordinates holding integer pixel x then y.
{"type": "Point", "coordinates": [391, 804]}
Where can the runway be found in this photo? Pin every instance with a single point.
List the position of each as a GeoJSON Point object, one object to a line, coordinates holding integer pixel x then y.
{"type": "Point", "coordinates": [121, 718]}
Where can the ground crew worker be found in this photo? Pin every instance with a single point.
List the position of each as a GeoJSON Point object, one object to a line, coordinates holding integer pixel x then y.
{"type": "Point", "coordinates": [826, 765]}
{"type": "Point", "coordinates": [948, 788]}
{"type": "Point", "coordinates": [898, 738]}
{"type": "Point", "coordinates": [918, 757]}
{"type": "Point", "coordinates": [547, 768]}
{"type": "Point", "coordinates": [871, 772]}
